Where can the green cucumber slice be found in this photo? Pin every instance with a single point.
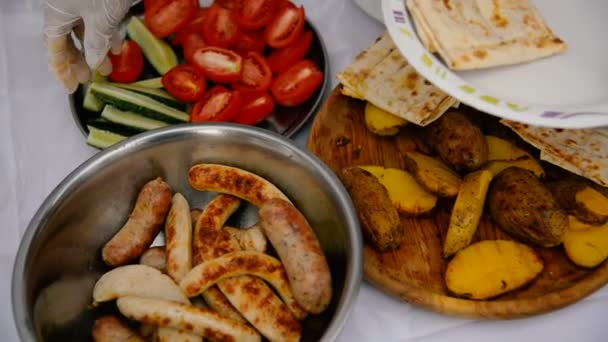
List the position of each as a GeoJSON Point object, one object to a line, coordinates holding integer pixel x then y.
{"type": "Point", "coordinates": [128, 100]}
{"type": "Point", "coordinates": [129, 119]}
{"type": "Point", "coordinates": [153, 83]}
{"type": "Point", "coordinates": [157, 52]}
{"type": "Point", "coordinates": [102, 139]}
{"type": "Point", "coordinates": [157, 94]}
{"type": "Point", "coordinates": [90, 102]}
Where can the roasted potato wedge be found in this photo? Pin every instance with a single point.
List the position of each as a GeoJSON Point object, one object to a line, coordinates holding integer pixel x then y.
{"type": "Point", "coordinates": [467, 211]}
{"type": "Point", "coordinates": [492, 267]}
{"type": "Point", "coordinates": [522, 206]}
{"type": "Point", "coordinates": [586, 245]}
{"type": "Point", "coordinates": [528, 163]}
{"type": "Point", "coordinates": [406, 194]}
{"type": "Point", "coordinates": [457, 141]}
{"type": "Point", "coordinates": [381, 122]}
{"type": "Point", "coordinates": [501, 149]}
{"type": "Point", "coordinates": [580, 199]}
{"type": "Point", "coordinates": [380, 221]}
{"type": "Point", "coordinates": [433, 174]}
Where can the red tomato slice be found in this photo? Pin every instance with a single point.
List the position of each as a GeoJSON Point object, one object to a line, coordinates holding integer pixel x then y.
{"type": "Point", "coordinates": [220, 28]}
{"type": "Point", "coordinates": [256, 107]}
{"type": "Point", "coordinates": [128, 65]}
{"type": "Point", "coordinates": [218, 65]}
{"type": "Point", "coordinates": [154, 5]}
{"type": "Point", "coordinates": [297, 84]}
{"type": "Point", "coordinates": [249, 41]}
{"type": "Point", "coordinates": [219, 104]}
{"type": "Point", "coordinates": [256, 72]}
{"type": "Point", "coordinates": [164, 19]}
{"type": "Point", "coordinates": [195, 25]}
{"type": "Point", "coordinates": [185, 82]}
{"type": "Point", "coordinates": [190, 43]}
{"type": "Point", "coordinates": [255, 14]}
{"type": "Point", "coordinates": [286, 27]}
{"type": "Point", "coordinates": [284, 3]}
{"type": "Point", "coordinates": [233, 5]}
{"type": "Point", "coordinates": [281, 59]}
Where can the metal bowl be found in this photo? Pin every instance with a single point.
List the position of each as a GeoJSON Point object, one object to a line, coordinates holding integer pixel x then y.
{"type": "Point", "coordinates": [59, 258]}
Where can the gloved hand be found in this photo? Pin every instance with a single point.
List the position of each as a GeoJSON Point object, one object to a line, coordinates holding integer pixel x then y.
{"type": "Point", "coordinates": [94, 23]}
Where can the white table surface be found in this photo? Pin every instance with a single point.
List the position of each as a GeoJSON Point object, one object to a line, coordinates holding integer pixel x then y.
{"type": "Point", "coordinates": [39, 145]}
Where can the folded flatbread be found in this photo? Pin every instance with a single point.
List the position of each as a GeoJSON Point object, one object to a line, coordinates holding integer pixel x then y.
{"type": "Point", "coordinates": [382, 76]}
{"type": "Point", "coordinates": [581, 151]}
{"type": "Point", "coordinates": [474, 34]}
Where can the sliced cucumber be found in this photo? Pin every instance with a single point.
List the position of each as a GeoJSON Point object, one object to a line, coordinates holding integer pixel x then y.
{"type": "Point", "coordinates": [157, 52]}
{"type": "Point", "coordinates": [106, 125]}
{"type": "Point", "coordinates": [157, 94]}
{"type": "Point", "coordinates": [128, 100]}
{"type": "Point", "coordinates": [154, 83]}
{"type": "Point", "coordinates": [90, 102]}
{"type": "Point", "coordinates": [102, 139]}
{"type": "Point", "coordinates": [129, 119]}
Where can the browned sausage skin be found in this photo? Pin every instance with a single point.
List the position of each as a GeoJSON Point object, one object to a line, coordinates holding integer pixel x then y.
{"type": "Point", "coordinates": [112, 329]}
{"type": "Point", "coordinates": [144, 223]}
{"type": "Point", "coordinates": [299, 250]}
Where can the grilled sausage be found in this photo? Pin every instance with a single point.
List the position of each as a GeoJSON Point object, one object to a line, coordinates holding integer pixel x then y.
{"type": "Point", "coordinates": [144, 223]}
{"type": "Point", "coordinates": [300, 251]}
{"type": "Point", "coordinates": [155, 257]}
{"type": "Point", "coordinates": [178, 233]}
{"type": "Point", "coordinates": [112, 329]}
{"type": "Point", "coordinates": [250, 239]}
{"type": "Point", "coordinates": [185, 317]}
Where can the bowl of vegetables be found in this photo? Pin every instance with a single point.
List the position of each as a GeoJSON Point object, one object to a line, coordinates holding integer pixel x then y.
{"type": "Point", "coordinates": [258, 63]}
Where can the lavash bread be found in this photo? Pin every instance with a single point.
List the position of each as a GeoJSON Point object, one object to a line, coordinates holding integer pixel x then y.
{"type": "Point", "coordinates": [581, 151]}
{"type": "Point", "coordinates": [475, 34]}
{"type": "Point", "coordinates": [383, 77]}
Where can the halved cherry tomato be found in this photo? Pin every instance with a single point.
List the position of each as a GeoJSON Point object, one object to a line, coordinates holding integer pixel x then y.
{"type": "Point", "coordinates": [195, 25]}
{"type": "Point", "coordinates": [284, 3]}
{"type": "Point", "coordinates": [285, 28]}
{"type": "Point", "coordinates": [256, 14]}
{"type": "Point", "coordinates": [128, 65]}
{"type": "Point", "coordinates": [190, 43]}
{"type": "Point", "coordinates": [256, 72]}
{"type": "Point", "coordinates": [218, 104]}
{"type": "Point", "coordinates": [164, 19]}
{"type": "Point", "coordinates": [249, 41]}
{"type": "Point", "coordinates": [185, 82]}
{"type": "Point", "coordinates": [257, 106]}
{"type": "Point", "coordinates": [221, 28]}
{"type": "Point", "coordinates": [297, 84]}
{"type": "Point", "coordinates": [233, 5]}
{"type": "Point", "coordinates": [281, 59]}
{"type": "Point", "coordinates": [218, 65]}
{"type": "Point", "coordinates": [153, 5]}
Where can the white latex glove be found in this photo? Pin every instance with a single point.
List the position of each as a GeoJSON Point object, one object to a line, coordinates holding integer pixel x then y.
{"type": "Point", "coordinates": [95, 24]}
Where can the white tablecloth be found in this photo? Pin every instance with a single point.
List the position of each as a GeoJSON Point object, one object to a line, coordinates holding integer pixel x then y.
{"type": "Point", "coordinates": [39, 145]}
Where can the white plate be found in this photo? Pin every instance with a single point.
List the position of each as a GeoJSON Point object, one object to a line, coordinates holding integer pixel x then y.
{"type": "Point", "coordinates": [372, 7]}
{"type": "Point", "coordinates": [568, 90]}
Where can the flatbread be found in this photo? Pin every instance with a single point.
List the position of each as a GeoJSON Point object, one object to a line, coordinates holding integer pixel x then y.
{"type": "Point", "coordinates": [474, 34]}
{"type": "Point", "coordinates": [382, 76]}
{"type": "Point", "coordinates": [581, 151]}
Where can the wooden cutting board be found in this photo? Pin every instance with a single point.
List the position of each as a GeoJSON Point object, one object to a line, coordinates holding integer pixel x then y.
{"type": "Point", "coordinates": [414, 272]}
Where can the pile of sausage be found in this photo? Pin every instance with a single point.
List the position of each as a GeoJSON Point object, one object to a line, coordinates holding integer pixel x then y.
{"type": "Point", "coordinates": [210, 281]}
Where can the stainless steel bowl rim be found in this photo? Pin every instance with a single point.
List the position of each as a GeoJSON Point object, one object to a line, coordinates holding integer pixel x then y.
{"type": "Point", "coordinates": [353, 276]}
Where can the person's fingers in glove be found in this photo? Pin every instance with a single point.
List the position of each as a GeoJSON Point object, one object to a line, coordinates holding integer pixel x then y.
{"type": "Point", "coordinates": [94, 23]}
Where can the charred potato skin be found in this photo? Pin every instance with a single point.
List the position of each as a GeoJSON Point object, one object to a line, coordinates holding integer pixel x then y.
{"type": "Point", "coordinates": [523, 207]}
{"type": "Point", "coordinates": [565, 192]}
{"type": "Point", "coordinates": [457, 141]}
{"type": "Point", "coordinates": [380, 221]}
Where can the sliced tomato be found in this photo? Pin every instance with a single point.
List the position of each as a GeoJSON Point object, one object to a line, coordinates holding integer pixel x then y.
{"type": "Point", "coordinates": [281, 59]}
{"type": "Point", "coordinates": [185, 82]}
{"type": "Point", "coordinates": [218, 104]}
{"type": "Point", "coordinates": [190, 43]}
{"type": "Point", "coordinates": [218, 65]}
{"type": "Point", "coordinates": [286, 27]}
{"type": "Point", "coordinates": [220, 28]}
{"type": "Point", "coordinates": [284, 3]}
{"type": "Point", "coordinates": [256, 72]}
{"type": "Point", "coordinates": [233, 5]}
{"type": "Point", "coordinates": [128, 65]}
{"type": "Point", "coordinates": [249, 41]}
{"type": "Point", "coordinates": [164, 19]}
{"type": "Point", "coordinates": [256, 14]}
{"type": "Point", "coordinates": [257, 106]}
{"type": "Point", "coordinates": [195, 25]}
{"type": "Point", "coordinates": [154, 5]}
{"type": "Point", "coordinates": [297, 84]}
